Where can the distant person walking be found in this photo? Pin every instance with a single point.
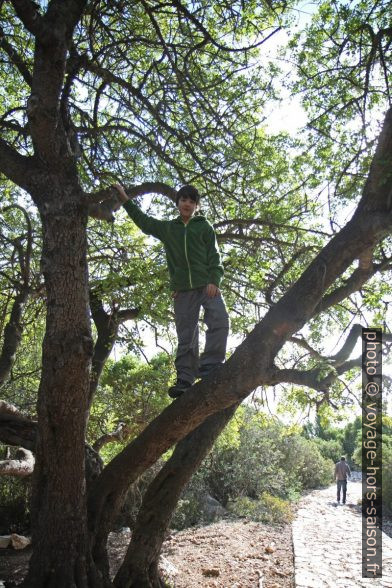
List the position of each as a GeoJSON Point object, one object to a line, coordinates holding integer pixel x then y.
{"type": "Point", "coordinates": [341, 472]}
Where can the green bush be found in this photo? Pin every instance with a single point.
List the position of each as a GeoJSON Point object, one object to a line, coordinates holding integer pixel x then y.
{"type": "Point", "coordinates": [267, 509]}
{"type": "Point", "coordinates": [189, 508]}
{"type": "Point", "coordinates": [304, 465]}
{"type": "Point", "coordinates": [255, 469]}
{"type": "Point", "coordinates": [188, 513]}
{"type": "Point", "coordinates": [197, 506]}
{"type": "Point", "coordinates": [330, 449]}
{"type": "Point", "coordinates": [249, 468]}
{"type": "Point", "coordinates": [269, 459]}
{"type": "Point", "coordinates": [386, 462]}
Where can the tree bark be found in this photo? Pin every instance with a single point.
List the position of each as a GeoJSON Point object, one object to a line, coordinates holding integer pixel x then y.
{"type": "Point", "coordinates": [140, 566]}
{"type": "Point", "coordinates": [61, 550]}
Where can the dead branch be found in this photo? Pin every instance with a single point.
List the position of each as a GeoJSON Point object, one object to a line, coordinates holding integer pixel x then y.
{"type": "Point", "coordinates": [120, 434]}
{"type": "Point", "coordinates": [21, 466]}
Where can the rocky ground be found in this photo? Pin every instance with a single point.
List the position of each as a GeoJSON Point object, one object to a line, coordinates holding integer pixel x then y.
{"type": "Point", "coordinates": [226, 554]}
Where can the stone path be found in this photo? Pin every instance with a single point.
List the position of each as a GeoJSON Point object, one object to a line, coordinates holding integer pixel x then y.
{"type": "Point", "coordinates": [327, 543]}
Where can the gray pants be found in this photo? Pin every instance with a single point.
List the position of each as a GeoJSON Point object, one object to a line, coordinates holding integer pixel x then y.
{"type": "Point", "coordinates": [341, 485]}
{"type": "Point", "coordinates": [187, 310]}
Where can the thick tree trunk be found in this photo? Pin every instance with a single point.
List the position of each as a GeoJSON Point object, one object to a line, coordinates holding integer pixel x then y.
{"type": "Point", "coordinates": [60, 542]}
{"type": "Point", "coordinates": [140, 566]}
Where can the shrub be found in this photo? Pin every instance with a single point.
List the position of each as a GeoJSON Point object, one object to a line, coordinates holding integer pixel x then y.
{"type": "Point", "coordinates": [255, 468]}
{"type": "Point", "coordinates": [329, 449]}
{"type": "Point", "coordinates": [187, 514]}
{"type": "Point", "coordinates": [386, 467]}
{"type": "Point", "coordinates": [267, 509]}
{"type": "Point", "coordinates": [304, 465]}
{"type": "Point", "coordinates": [189, 511]}
{"type": "Point", "coordinates": [249, 469]}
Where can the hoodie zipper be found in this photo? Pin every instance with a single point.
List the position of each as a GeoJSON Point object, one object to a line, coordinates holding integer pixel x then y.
{"type": "Point", "coordinates": [186, 254]}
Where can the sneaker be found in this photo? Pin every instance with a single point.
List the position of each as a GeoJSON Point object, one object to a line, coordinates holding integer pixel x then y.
{"type": "Point", "coordinates": [179, 388]}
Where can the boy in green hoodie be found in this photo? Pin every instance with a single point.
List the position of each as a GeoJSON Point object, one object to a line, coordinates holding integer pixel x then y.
{"type": "Point", "coordinates": [195, 274]}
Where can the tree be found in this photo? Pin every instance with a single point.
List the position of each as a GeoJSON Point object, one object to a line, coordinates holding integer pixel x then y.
{"type": "Point", "coordinates": [351, 432]}
{"type": "Point", "coordinates": [96, 110]}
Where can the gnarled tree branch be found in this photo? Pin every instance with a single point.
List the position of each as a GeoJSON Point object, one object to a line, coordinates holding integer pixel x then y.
{"type": "Point", "coordinates": [120, 434]}
{"type": "Point", "coordinates": [103, 203]}
{"type": "Point", "coordinates": [16, 428]}
{"type": "Point", "coordinates": [17, 168]}
{"type": "Point", "coordinates": [21, 466]}
{"type": "Point", "coordinates": [15, 58]}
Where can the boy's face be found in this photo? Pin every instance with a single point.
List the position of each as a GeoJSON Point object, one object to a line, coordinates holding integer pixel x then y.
{"type": "Point", "coordinates": [187, 207]}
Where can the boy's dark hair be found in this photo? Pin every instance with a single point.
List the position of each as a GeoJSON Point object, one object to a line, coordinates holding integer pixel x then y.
{"type": "Point", "coordinates": [188, 191]}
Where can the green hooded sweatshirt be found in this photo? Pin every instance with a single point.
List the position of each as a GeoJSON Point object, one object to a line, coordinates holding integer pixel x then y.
{"type": "Point", "coordinates": [191, 250]}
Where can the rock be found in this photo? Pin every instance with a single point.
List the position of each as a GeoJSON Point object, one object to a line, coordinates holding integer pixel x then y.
{"type": "Point", "coordinates": [19, 541]}
{"type": "Point", "coordinates": [5, 540]}
{"type": "Point", "coordinates": [211, 508]}
{"type": "Point", "coordinates": [167, 568]}
{"type": "Point", "coordinates": [270, 548]}
{"type": "Point", "coordinates": [279, 573]}
{"type": "Point", "coordinates": [211, 572]}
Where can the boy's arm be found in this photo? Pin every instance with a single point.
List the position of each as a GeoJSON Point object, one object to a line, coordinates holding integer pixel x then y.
{"type": "Point", "coordinates": [146, 223]}
{"type": "Point", "coordinates": [215, 267]}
